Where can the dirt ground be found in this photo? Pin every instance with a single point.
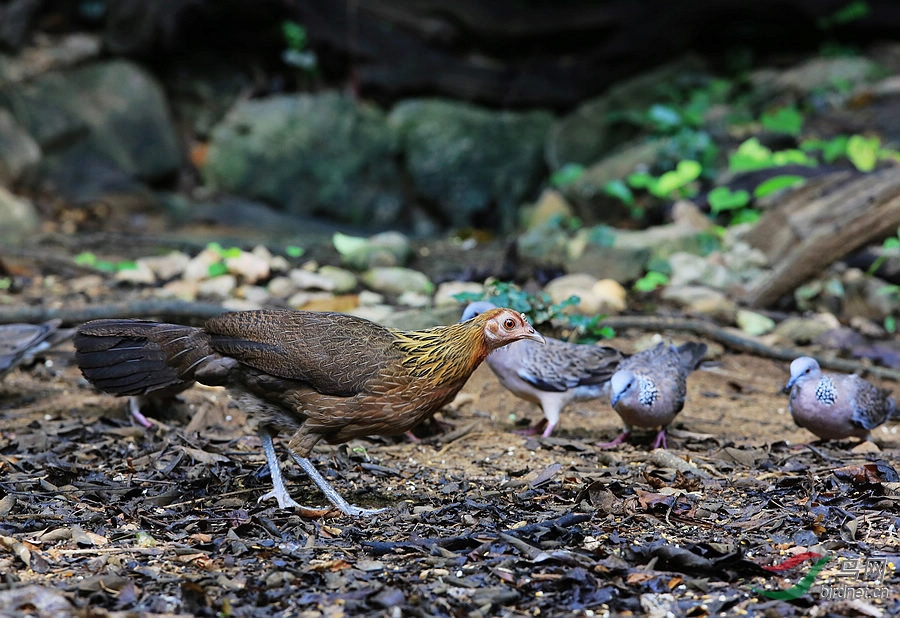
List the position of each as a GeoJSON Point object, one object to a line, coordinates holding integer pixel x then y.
{"type": "Point", "coordinates": [102, 517]}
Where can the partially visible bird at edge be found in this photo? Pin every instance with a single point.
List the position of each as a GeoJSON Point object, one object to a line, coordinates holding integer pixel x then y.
{"type": "Point", "coordinates": [21, 342]}
{"type": "Point", "coordinates": [321, 376]}
{"type": "Point", "coordinates": [835, 406]}
{"type": "Point", "coordinates": [550, 375]}
{"type": "Point", "coordinates": [649, 388]}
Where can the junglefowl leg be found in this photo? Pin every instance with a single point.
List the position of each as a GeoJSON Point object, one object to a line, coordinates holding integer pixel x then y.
{"type": "Point", "coordinates": [279, 491]}
{"type": "Point", "coordinates": [330, 492]}
{"type": "Point", "coordinates": [134, 406]}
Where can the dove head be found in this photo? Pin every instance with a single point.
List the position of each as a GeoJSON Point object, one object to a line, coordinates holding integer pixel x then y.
{"type": "Point", "coordinates": [801, 368]}
{"type": "Point", "coordinates": [620, 384]}
{"type": "Point", "coordinates": [476, 308]}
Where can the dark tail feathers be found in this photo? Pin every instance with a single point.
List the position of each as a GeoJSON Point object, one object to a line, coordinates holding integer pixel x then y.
{"type": "Point", "coordinates": [691, 354]}
{"type": "Point", "coordinates": [137, 357]}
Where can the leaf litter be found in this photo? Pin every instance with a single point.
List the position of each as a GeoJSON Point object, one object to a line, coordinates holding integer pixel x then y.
{"type": "Point", "coordinates": [101, 517]}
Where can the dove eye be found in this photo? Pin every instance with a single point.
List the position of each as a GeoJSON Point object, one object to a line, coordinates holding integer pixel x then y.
{"type": "Point", "coordinates": [509, 324]}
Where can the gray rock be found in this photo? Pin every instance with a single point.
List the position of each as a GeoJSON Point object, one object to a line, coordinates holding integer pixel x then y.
{"type": "Point", "coordinates": [19, 153]}
{"type": "Point", "coordinates": [699, 299]}
{"type": "Point", "coordinates": [754, 324]}
{"type": "Point", "coordinates": [467, 159]}
{"type": "Point", "coordinates": [114, 111]}
{"type": "Point", "coordinates": [310, 154]}
{"type": "Point", "coordinates": [624, 264]}
{"type": "Point", "coordinates": [18, 218]}
{"type": "Point", "coordinates": [385, 249]}
{"type": "Point", "coordinates": [396, 280]}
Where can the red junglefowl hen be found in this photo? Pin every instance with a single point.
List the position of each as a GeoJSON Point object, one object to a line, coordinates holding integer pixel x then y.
{"type": "Point", "coordinates": [318, 375]}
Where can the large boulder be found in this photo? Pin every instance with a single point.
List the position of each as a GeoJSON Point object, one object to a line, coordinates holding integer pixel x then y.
{"type": "Point", "coordinates": [469, 161]}
{"type": "Point", "coordinates": [309, 154]}
{"type": "Point", "coordinates": [110, 115]}
{"type": "Point", "coordinates": [19, 153]}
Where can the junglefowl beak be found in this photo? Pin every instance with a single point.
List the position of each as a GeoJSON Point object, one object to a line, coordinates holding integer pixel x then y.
{"type": "Point", "coordinates": [535, 336]}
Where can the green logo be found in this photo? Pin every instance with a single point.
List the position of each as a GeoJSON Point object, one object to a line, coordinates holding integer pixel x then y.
{"type": "Point", "coordinates": [801, 587]}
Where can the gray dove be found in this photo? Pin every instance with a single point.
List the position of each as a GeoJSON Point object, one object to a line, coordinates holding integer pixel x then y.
{"type": "Point", "coordinates": [649, 388]}
{"type": "Point", "coordinates": [550, 374]}
{"type": "Point", "coordinates": [20, 342]}
{"type": "Point", "coordinates": [835, 406]}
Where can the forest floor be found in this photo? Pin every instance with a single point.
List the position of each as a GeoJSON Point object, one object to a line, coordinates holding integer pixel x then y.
{"type": "Point", "coordinates": [100, 516]}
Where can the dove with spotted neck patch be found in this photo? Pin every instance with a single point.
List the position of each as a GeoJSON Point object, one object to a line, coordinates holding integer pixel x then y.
{"type": "Point", "coordinates": [649, 388]}
{"type": "Point", "coordinates": [835, 406]}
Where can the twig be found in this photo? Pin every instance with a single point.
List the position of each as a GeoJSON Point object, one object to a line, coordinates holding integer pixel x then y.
{"type": "Point", "coordinates": [130, 309]}
{"type": "Point", "coordinates": [741, 343]}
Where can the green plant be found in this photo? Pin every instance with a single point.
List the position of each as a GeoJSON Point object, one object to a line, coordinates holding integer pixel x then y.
{"type": "Point", "coordinates": [786, 120]}
{"type": "Point", "coordinates": [540, 308]}
{"type": "Point", "coordinates": [852, 11]}
{"type": "Point", "coordinates": [219, 268]}
{"type": "Point", "coordinates": [751, 156]}
{"type": "Point", "coordinates": [674, 183]}
{"type": "Point", "coordinates": [890, 248]}
{"type": "Point", "coordinates": [651, 281]}
{"type": "Point", "coordinates": [295, 53]}
{"type": "Point", "coordinates": [86, 258]}
{"type": "Point", "coordinates": [566, 175]}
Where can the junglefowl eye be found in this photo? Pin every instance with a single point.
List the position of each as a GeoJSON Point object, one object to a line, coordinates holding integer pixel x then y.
{"type": "Point", "coordinates": [509, 324]}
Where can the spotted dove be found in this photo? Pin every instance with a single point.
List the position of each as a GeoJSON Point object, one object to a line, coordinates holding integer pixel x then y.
{"type": "Point", "coordinates": [550, 375]}
{"type": "Point", "coordinates": [649, 388]}
{"type": "Point", "coordinates": [835, 406]}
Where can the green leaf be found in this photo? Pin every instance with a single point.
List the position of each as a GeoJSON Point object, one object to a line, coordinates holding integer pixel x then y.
{"type": "Point", "coordinates": [664, 117]}
{"type": "Point", "coordinates": [566, 175]}
{"type": "Point", "coordinates": [891, 243]}
{"type": "Point", "coordinates": [231, 252]}
{"type": "Point", "coordinates": [853, 11]}
{"type": "Point", "coordinates": [684, 173]}
{"type": "Point", "coordinates": [890, 324]}
{"type": "Point", "coordinates": [619, 190]}
{"type": "Point", "coordinates": [293, 251]}
{"type": "Point", "coordinates": [792, 156]}
{"type": "Point", "coordinates": [783, 120]}
{"type": "Point", "coordinates": [835, 148]}
{"type": "Point", "coordinates": [863, 152]}
{"type": "Point", "coordinates": [777, 183]}
{"type": "Point", "coordinates": [86, 258]}
{"type": "Point", "coordinates": [127, 265]}
{"type": "Point", "coordinates": [602, 235]}
{"type": "Point", "coordinates": [294, 34]}
{"type": "Point", "coordinates": [640, 180]}
{"type": "Point", "coordinates": [347, 245]}
{"type": "Point", "coordinates": [651, 281]}
{"type": "Point", "coordinates": [216, 269]}
{"type": "Point", "coordinates": [723, 198]}
{"type": "Point", "coordinates": [750, 156]}
{"type": "Point", "coordinates": [746, 215]}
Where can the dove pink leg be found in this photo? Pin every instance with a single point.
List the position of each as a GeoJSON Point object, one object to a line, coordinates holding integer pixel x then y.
{"type": "Point", "coordinates": [660, 441]}
{"type": "Point", "coordinates": [616, 441]}
{"type": "Point", "coordinates": [541, 427]}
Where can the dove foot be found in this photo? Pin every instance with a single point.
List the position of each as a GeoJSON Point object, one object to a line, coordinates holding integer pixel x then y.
{"type": "Point", "coordinates": [619, 439]}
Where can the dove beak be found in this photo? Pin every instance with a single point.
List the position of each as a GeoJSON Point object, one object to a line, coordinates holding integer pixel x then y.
{"type": "Point", "coordinates": [787, 387]}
